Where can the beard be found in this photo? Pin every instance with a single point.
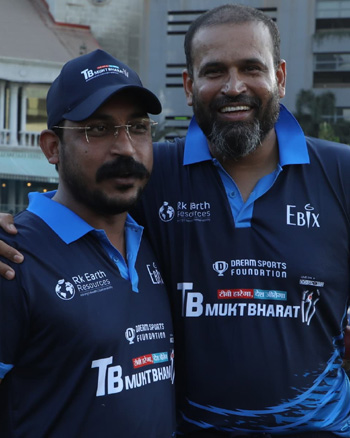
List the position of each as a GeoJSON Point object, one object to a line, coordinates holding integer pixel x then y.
{"type": "Point", "coordinates": [234, 140]}
{"type": "Point", "coordinates": [96, 199]}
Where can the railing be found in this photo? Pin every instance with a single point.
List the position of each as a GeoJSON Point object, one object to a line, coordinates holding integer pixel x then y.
{"type": "Point", "coordinates": [30, 139]}
{"type": "Point", "coordinates": [4, 136]}
{"type": "Point", "coordinates": [25, 139]}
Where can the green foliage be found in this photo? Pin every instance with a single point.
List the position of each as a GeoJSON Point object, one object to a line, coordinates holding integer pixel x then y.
{"type": "Point", "coordinates": [160, 131]}
{"type": "Point", "coordinates": [327, 133]}
{"type": "Point", "coordinates": [309, 111]}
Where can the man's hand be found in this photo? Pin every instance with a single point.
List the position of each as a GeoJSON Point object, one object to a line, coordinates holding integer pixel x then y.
{"type": "Point", "coordinates": [6, 222]}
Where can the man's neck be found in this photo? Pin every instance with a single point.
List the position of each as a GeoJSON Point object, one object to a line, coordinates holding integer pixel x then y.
{"type": "Point", "coordinates": [247, 171]}
{"type": "Point", "coordinates": [113, 225]}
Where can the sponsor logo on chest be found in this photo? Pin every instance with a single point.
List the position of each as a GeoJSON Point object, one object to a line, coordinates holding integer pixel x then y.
{"type": "Point", "coordinates": [252, 302]}
{"type": "Point", "coordinates": [183, 211]}
{"type": "Point", "coordinates": [111, 379]}
{"type": "Point", "coordinates": [306, 217]}
{"type": "Point", "coordinates": [85, 284]}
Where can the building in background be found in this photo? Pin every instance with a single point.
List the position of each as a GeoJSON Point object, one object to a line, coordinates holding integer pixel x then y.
{"type": "Point", "coordinates": [315, 43]}
{"type": "Point", "coordinates": [116, 24]}
{"type": "Point", "coordinates": [32, 51]}
{"type": "Point", "coordinates": [39, 36]}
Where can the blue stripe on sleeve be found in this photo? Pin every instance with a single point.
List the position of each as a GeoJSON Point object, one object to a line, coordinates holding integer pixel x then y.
{"type": "Point", "coordinates": [4, 369]}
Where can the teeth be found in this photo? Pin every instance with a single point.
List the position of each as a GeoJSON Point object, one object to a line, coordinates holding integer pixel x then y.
{"type": "Point", "coordinates": [229, 109]}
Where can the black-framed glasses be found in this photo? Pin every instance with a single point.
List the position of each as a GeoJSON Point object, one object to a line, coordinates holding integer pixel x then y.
{"type": "Point", "coordinates": [95, 132]}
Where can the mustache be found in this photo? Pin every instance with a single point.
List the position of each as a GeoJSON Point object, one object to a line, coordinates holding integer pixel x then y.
{"type": "Point", "coordinates": [121, 167]}
{"type": "Point", "coordinates": [221, 101]}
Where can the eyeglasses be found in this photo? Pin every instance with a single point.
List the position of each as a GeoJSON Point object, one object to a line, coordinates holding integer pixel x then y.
{"type": "Point", "coordinates": [137, 130]}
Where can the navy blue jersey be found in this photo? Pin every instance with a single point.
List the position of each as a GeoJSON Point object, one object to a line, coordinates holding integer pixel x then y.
{"type": "Point", "coordinates": [260, 294]}
{"type": "Point", "coordinates": [88, 356]}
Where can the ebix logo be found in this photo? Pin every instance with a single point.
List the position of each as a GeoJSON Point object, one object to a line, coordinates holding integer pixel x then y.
{"type": "Point", "coordinates": [154, 274]}
{"type": "Point", "coordinates": [307, 218]}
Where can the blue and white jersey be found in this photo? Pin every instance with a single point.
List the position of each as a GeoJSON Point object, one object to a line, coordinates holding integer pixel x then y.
{"type": "Point", "coordinates": [259, 289]}
{"type": "Point", "coordinates": [84, 351]}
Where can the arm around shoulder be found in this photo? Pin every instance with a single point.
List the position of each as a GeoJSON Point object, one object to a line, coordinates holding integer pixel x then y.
{"type": "Point", "coordinates": [6, 251]}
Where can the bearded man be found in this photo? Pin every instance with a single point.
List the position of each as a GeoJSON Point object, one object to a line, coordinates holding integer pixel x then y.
{"type": "Point", "coordinates": [256, 252]}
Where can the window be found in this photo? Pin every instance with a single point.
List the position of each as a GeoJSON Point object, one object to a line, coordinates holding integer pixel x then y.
{"type": "Point", "coordinates": [335, 79]}
{"type": "Point", "coordinates": [332, 62]}
{"type": "Point", "coordinates": [333, 9]}
{"type": "Point", "coordinates": [36, 108]}
{"type": "Point", "coordinates": [332, 14]}
{"type": "Point", "coordinates": [345, 113]}
{"type": "Point", "coordinates": [331, 69]}
{"type": "Point", "coordinates": [339, 114]}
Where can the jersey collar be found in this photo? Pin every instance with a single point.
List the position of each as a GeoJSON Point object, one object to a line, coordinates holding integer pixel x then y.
{"type": "Point", "coordinates": [57, 217]}
{"type": "Point", "coordinates": [291, 142]}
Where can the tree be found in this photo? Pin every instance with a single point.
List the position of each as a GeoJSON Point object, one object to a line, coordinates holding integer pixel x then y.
{"type": "Point", "coordinates": [327, 133]}
{"type": "Point", "coordinates": [310, 112]}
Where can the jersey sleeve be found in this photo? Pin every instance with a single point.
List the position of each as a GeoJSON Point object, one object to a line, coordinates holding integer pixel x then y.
{"type": "Point", "coordinates": [13, 321]}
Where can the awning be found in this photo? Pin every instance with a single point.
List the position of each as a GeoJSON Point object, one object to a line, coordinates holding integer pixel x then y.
{"type": "Point", "coordinates": [30, 166]}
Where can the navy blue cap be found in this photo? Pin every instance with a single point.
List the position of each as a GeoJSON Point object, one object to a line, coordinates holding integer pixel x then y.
{"type": "Point", "coordinates": [86, 82]}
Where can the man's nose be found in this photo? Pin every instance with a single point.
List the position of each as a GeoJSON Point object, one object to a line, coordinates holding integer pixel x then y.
{"type": "Point", "coordinates": [234, 84]}
{"type": "Point", "coordinates": [123, 143]}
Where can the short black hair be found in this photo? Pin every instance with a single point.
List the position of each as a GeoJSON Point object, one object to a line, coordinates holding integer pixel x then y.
{"type": "Point", "coordinates": [231, 14]}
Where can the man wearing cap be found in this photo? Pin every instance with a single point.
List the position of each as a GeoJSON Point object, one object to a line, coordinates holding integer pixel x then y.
{"type": "Point", "coordinates": [86, 339]}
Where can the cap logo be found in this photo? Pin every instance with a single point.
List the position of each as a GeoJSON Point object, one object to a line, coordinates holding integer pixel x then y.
{"type": "Point", "coordinates": [103, 70]}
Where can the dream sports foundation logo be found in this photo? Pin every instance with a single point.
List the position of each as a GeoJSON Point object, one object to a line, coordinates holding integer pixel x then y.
{"type": "Point", "coordinates": [146, 332]}
{"type": "Point", "coordinates": [220, 267]}
{"type": "Point", "coordinates": [250, 268]}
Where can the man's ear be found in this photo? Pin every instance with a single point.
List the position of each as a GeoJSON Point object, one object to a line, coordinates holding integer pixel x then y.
{"type": "Point", "coordinates": [188, 86]}
{"type": "Point", "coordinates": [281, 75]}
{"type": "Point", "coordinates": [49, 143]}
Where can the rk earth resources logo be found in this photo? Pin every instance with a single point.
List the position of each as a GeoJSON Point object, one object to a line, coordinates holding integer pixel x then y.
{"type": "Point", "coordinates": [85, 284]}
{"type": "Point", "coordinates": [185, 211]}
